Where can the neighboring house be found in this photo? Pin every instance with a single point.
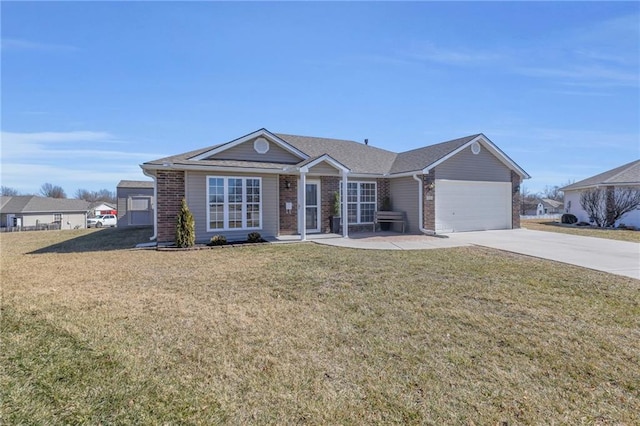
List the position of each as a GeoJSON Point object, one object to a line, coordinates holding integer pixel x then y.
{"type": "Point", "coordinates": [135, 203]}
{"type": "Point", "coordinates": [279, 184]}
{"type": "Point", "coordinates": [100, 208]}
{"type": "Point", "coordinates": [627, 175]}
{"type": "Point", "coordinates": [549, 206]}
{"type": "Point", "coordinates": [31, 211]}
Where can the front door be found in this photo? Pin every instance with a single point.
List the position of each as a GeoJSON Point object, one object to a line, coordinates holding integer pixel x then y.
{"type": "Point", "coordinates": [312, 203]}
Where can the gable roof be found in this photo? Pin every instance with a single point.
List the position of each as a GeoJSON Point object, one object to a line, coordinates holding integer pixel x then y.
{"type": "Point", "coordinates": [97, 204]}
{"type": "Point", "coordinates": [357, 157]}
{"type": "Point", "coordinates": [551, 203]}
{"type": "Point", "coordinates": [421, 158]}
{"type": "Point", "coordinates": [627, 174]}
{"type": "Point", "coordinates": [35, 204]}
{"type": "Point", "coordinates": [258, 133]}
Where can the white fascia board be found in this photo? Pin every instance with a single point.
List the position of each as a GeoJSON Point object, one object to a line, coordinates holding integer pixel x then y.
{"type": "Point", "coordinates": [497, 152]}
{"type": "Point", "coordinates": [258, 133]}
{"type": "Point", "coordinates": [233, 169]}
{"type": "Point", "coordinates": [406, 174]}
{"type": "Point", "coordinates": [324, 158]}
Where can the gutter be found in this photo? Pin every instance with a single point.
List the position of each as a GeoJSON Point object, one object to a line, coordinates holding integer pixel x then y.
{"type": "Point", "coordinates": [155, 200]}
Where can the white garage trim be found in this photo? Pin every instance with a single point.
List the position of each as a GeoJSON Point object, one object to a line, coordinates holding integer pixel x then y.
{"type": "Point", "coordinates": [472, 205]}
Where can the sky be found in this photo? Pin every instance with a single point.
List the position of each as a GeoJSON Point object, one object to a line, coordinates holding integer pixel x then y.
{"type": "Point", "coordinates": [91, 90]}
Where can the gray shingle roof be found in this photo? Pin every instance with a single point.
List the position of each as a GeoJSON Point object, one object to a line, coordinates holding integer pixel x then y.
{"type": "Point", "coordinates": [35, 204]}
{"type": "Point", "coordinates": [552, 203]}
{"type": "Point", "coordinates": [627, 174]}
{"type": "Point", "coordinates": [358, 157]}
{"type": "Point", "coordinates": [420, 158]}
{"type": "Point", "coordinates": [135, 184]}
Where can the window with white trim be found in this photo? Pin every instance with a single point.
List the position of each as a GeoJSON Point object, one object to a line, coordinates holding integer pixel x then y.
{"type": "Point", "coordinates": [235, 203]}
{"type": "Point", "coordinates": [361, 201]}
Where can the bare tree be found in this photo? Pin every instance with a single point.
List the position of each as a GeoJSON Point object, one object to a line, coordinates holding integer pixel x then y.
{"type": "Point", "coordinates": [8, 192]}
{"type": "Point", "coordinates": [528, 200]}
{"type": "Point", "coordinates": [553, 192]}
{"type": "Point", "coordinates": [53, 191]}
{"type": "Point", "coordinates": [606, 205]}
{"type": "Point", "coordinates": [593, 202]}
{"type": "Point", "coordinates": [92, 196]}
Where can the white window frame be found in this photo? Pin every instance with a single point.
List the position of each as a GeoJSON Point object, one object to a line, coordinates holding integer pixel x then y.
{"type": "Point", "coordinates": [226, 203]}
{"type": "Point", "coordinates": [360, 202]}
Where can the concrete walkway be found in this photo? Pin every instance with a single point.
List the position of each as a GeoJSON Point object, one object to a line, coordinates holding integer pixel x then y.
{"type": "Point", "coordinates": [612, 256]}
{"type": "Point", "coordinates": [615, 257]}
{"type": "Point", "coordinates": [388, 241]}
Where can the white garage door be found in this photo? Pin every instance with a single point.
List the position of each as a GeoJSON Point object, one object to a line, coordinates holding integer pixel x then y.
{"type": "Point", "coordinates": [472, 206]}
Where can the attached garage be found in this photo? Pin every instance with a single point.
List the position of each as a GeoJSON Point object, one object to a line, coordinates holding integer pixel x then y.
{"type": "Point", "coordinates": [472, 205]}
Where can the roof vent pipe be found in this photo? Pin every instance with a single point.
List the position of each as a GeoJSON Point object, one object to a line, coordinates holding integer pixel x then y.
{"type": "Point", "coordinates": [366, 141]}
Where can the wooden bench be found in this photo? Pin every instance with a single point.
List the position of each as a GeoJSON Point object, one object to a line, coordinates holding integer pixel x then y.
{"type": "Point", "coordinates": [388, 217]}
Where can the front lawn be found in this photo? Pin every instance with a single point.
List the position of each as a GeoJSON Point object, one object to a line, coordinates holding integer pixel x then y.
{"type": "Point", "coordinates": [555, 226]}
{"type": "Point", "coordinates": [309, 334]}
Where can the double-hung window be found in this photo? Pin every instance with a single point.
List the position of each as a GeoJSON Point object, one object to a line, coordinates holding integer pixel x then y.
{"type": "Point", "coordinates": [234, 203]}
{"type": "Point", "coordinates": [361, 202]}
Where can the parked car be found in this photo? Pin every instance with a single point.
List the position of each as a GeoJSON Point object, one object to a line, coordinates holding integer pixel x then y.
{"type": "Point", "coordinates": [102, 220]}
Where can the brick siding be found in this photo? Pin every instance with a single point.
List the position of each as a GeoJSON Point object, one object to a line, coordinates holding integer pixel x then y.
{"type": "Point", "coordinates": [328, 186]}
{"type": "Point", "coordinates": [515, 200]}
{"type": "Point", "coordinates": [171, 191]}
{"type": "Point", "coordinates": [288, 221]}
{"type": "Point", "coordinates": [429, 201]}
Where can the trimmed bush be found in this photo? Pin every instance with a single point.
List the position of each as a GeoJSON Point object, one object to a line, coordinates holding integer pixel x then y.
{"type": "Point", "coordinates": [568, 218]}
{"type": "Point", "coordinates": [254, 237]}
{"type": "Point", "coordinates": [218, 240]}
{"type": "Point", "coordinates": [185, 227]}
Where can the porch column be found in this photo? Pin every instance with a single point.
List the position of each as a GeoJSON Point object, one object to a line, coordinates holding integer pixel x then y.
{"type": "Point", "coordinates": [345, 218]}
{"type": "Point", "coordinates": [302, 212]}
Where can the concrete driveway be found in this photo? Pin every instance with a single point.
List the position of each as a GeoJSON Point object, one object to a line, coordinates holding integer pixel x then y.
{"type": "Point", "coordinates": [615, 257]}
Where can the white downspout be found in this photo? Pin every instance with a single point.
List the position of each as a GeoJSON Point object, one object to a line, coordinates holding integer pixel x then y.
{"type": "Point", "coordinates": [421, 205]}
{"type": "Point", "coordinates": [345, 218]}
{"type": "Point", "coordinates": [302, 212]}
{"type": "Point", "coordinates": [155, 202]}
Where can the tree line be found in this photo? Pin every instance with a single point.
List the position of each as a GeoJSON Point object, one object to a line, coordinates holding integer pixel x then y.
{"type": "Point", "coordinates": [56, 191]}
{"type": "Point", "coordinates": [529, 200]}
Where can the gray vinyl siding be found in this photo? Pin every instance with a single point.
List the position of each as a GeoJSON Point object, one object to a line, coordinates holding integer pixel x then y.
{"type": "Point", "coordinates": [467, 166]}
{"type": "Point", "coordinates": [122, 207]}
{"type": "Point", "coordinates": [245, 152]}
{"type": "Point", "coordinates": [32, 219]}
{"type": "Point", "coordinates": [404, 198]}
{"type": "Point", "coordinates": [324, 169]}
{"type": "Point", "coordinates": [196, 194]}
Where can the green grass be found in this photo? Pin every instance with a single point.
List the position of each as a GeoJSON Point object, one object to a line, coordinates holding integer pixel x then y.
{"type": "Point", "coordinates": [301, 333]}
{"type": "Point", "coordinates": [553, 226]}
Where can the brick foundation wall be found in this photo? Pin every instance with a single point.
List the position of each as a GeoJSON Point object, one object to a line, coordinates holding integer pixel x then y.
{"type": "Point", "coordinates": [171, 191]}
{"type": "Point", "coordinates": [515, 200]}
{"type": "Point", "coordinates": [429, 201]}
{"type": "Point", "coordinates": [288, 221]}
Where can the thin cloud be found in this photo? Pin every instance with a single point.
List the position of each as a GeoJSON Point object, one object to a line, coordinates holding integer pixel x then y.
{"type": "Point", "coordinates": [592, 76]}
{"type": "Point", "coordinates": [49, 137]}
{"type": "Point", "coordinates": [27, 177]}
{"type": "Point", "coordinates": [429, 52]}
{"type": "Point", "coordinates": [69, 159]}
{"type": "Point", "coordinates": [45, 145]}
{"type": "Point", "coordinates": [19, 44]}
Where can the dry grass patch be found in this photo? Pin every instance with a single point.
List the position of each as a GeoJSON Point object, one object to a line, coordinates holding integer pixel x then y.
{"type": "Point", "coordinates": [553, 226]}
{"type": "Point", "coordinates": [312, 334]}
